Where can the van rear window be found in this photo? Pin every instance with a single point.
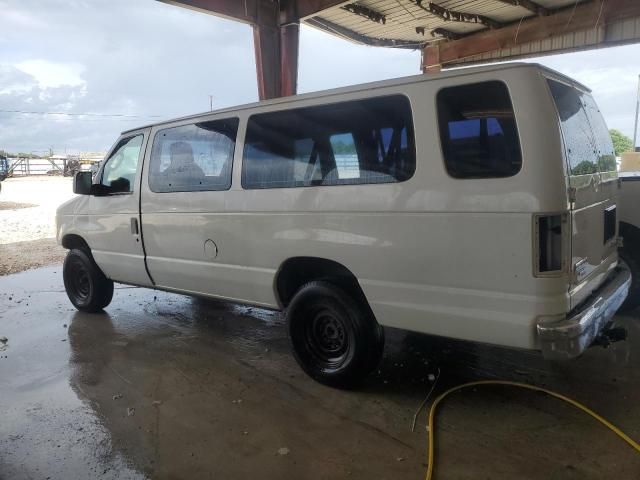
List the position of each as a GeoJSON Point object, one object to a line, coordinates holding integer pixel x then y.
{"type": "Point", "coordinates": [355, 142]}
{"type": "Point", "coordinates": [478, 131]}
{"type": "Point", "coordinates": [604, 144]}
{"type": "Point", "coordinates": [587, 141]}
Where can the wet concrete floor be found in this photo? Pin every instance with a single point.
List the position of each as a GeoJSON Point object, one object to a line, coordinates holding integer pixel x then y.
{"type": "Point", "coordinates": [165, 386]}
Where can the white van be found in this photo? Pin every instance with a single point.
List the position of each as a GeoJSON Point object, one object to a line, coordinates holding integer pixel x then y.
{"type": "Point", "coordinates": [477, 204]}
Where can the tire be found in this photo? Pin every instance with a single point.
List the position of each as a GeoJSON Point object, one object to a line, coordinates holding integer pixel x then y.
{"type": "Point", "coordinates": [335, 338]}
{"type": "Point", "coordinates": [633, 263]}
{"type": "Point", "coordinates": [87, 287]}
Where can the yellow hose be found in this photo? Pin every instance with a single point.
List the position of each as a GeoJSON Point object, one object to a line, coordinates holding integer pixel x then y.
{"type": "Point", "coordinates": [635, 445]}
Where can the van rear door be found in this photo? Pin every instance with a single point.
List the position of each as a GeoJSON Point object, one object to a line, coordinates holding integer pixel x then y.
{"type": "Point", "coordinates": [592, 188]}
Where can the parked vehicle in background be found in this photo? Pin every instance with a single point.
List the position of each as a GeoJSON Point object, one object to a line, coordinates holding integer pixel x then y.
{"type": "Point", "coordinates": [95, 167]}
{"type": "Point", "coordinates": [71, 167]}
{"type": "Point", "coordinates": [477, 204]}
{"type": "Point", "coordinates": [630, 231]}
{"type": "Point", "coordinates": [4, 169]}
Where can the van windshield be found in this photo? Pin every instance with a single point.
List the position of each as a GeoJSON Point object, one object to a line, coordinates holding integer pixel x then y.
{"type": "Point", "coordinates": [588, 145]}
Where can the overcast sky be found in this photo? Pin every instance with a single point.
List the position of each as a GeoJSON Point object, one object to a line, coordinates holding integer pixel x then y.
{"type": "Point", "coordinates": [158, 61]}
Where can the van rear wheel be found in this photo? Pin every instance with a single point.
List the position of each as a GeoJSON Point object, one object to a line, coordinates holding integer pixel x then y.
{"type": "Point", "coordinates": [632, 262]}
{"type": "Point", "coordinates": [335, 338]}
{"type": "Point", "coordinates": [87, 287]}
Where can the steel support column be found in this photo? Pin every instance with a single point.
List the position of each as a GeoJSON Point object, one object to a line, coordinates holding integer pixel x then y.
{"type": "Point", "coordinates": [266, 43]}
{"type": "Point", "coordinates": [289, 41]}
{"type": "Point", "coordinates": [276, 35]}
{"type": "Point", "coordinates": [431, 59]}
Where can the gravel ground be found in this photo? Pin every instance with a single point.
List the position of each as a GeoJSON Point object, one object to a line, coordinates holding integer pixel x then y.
{"type": "Point", "coordinates": [14, 205]}
{"type": "Point", "coordinates": [19, 256]}
{"type": "Point", "coordinates": [27, 219]}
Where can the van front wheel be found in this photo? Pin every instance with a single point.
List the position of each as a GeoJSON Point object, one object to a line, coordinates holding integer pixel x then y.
{"type": "Point", "coordinates": [87, 287]}
{"type": "Point", "coordinates": [335, 339]}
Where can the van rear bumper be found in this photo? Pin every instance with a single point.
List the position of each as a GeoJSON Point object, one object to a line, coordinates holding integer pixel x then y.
{"type": "Point", "coordinates": [569, 337]}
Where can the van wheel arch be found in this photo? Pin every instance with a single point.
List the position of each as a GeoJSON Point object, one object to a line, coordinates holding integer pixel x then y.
{"type": "Point", "coordinates": [296, 272]}
{"type": "Point", "coordinates": [631, 235]}
{"type": "Point", "coordinates": [72, 241]}
{"type": "Point", "coordinates": [630, 253]}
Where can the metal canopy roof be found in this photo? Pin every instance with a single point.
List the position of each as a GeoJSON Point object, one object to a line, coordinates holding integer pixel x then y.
{"type": "Point", "coordinates": [448, 32]}
{"type": "Point", "coordinates": [467, 31]}
{"type": "Point", "coordinates": [412, 23]}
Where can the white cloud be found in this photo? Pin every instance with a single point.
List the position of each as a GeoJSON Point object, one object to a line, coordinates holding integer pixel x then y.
{"type": "Point", "coordinates": [13, 81]}
{"type": "Point", "coordinates": [19, 19]}
{"type": "Point", "coordinates": [53, 74]}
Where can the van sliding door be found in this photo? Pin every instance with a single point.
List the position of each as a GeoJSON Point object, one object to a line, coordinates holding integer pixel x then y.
{"type": "Point", "coordinates": [186, 231]}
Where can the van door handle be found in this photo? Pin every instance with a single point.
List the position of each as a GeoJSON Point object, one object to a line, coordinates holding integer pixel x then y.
{"type": "Point", "coordinates": [134, 226]}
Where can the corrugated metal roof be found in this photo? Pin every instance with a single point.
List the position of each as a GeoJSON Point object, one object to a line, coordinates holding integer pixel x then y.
{"type": "Point", "coordinates": [410, 22]}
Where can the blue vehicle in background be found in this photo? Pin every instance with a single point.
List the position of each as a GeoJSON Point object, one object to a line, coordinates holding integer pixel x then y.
{"type": "Point", "coordinates": [4, 169]}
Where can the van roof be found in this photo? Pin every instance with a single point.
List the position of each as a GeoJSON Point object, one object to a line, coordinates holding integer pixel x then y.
{"type": "Point", "coordinates": [372, 85]}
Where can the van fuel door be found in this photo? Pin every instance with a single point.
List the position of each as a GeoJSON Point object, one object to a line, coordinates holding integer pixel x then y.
{"type": "Point", "coordinates": [210, 249]}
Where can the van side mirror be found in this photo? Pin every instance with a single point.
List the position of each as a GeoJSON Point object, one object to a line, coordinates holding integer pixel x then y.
{"type": "Point", "coordinates": [82, 183]}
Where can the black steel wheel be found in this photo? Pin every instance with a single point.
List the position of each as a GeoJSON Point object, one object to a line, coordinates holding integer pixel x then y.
{"type": "Point", "coordinates": [335, 338]}
{"type": "Point", "coordinates": [87, 287]}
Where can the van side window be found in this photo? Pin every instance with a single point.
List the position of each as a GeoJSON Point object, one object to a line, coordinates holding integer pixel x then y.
{"type": "Point", "coordinates": [580, 144]}
{"type": "Point", "coordinates": [356, 142]}
{"type": "Point", "coordinates": [196, 157]}
{"type": "Point", "coordinates": [120, 169]}
{"type": "Point", "coordinates": [478, 131]}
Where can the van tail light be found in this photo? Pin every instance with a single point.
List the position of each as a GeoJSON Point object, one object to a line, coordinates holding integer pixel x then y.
{"type": "Point", "coordinates": [548, 244]}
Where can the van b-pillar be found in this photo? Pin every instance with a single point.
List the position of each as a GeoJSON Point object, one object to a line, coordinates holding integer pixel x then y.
{"type": "Point", "coordinates": [276, 36]}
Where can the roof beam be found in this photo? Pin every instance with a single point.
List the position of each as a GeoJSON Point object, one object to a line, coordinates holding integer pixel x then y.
{"type": "Point", "coordinates": [244, 11]}
{"type": "Point", "coordinates": [365, 12]}
{"type": "Point", "coordinates": [529, 5]}
{"type": "Point", "coordinates": [309, 8]}
{"type": "Point", "coordinates": [443, 32]}
{"type": "Point", "coordinates": [440, 32]}
{"type": "Point", "coordinates": [456, 16]}
{"type": "Point", "coordinates": [584, 16]}
{"type": "Point", "coordinates": [247, 11]}
{"type": "Point", "coordinates": [341, 31]}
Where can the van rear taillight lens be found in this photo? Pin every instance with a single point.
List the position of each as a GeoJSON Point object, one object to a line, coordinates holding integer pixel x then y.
{"type": "Point", "coordinates": [548, 244]}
